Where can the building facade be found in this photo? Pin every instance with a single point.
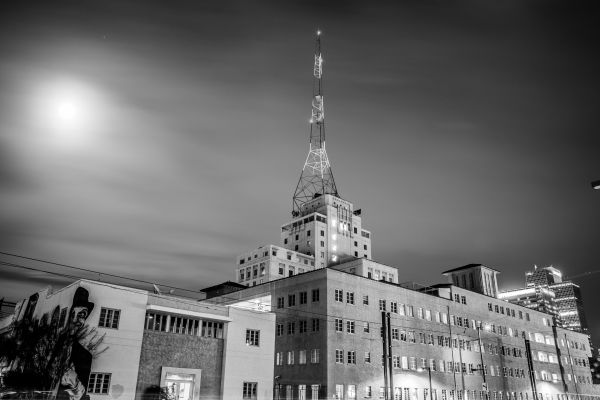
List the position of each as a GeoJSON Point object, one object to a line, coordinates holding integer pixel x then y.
{"type": "Point", "coordinates": [329, 343]}
{"type": "Point", "coordinates": [147, 341]}
{"type": "Point", "coordinates": [547, 292]}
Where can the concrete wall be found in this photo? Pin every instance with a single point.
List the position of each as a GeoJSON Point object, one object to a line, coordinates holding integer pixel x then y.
{"type": "Point", "coordinates": [243, 363]}
{"type": "Point", "coordinates": [120, 348]}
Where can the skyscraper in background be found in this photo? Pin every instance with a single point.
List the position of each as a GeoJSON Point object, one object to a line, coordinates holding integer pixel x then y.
{"type": "Point", "coordinates": [547, 292]}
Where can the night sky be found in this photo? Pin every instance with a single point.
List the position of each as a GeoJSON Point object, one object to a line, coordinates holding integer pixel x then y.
{"type": "Point", "coordinates": [158, 140]}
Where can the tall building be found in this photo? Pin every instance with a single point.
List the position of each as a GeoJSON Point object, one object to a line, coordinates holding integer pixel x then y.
{"type": "Point", "coordinates": [547, 292]}
{"type": "Point", "coordinates": [542, 276]}
{"type": "Point", "coordinates": [326, 229]}
{"type": "Point", "coordinates": [347, 329]}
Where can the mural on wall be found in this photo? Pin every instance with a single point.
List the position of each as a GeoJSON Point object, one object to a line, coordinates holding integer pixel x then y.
{"type": "Point", "coordinates": [52, 357]}
{"type": "Point", "coordinates": [74, 358]}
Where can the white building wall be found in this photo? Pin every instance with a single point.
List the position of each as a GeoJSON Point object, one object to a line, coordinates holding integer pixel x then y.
{"type": "Point", "coordinates": [245, 363]}
{"type": "Point", "coordinates": [123, 345]}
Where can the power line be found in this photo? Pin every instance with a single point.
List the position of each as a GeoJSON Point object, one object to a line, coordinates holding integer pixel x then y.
{"type": "Point", "coordinates": [328, 317]}
{"type": "Point", "coordinates": [95, 272]}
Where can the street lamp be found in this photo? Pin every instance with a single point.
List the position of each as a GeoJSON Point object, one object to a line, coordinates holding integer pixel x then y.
{"type": "Point", "coordinates": [596, 185]}
{"type": "Point", "coordinates": [430, 387]}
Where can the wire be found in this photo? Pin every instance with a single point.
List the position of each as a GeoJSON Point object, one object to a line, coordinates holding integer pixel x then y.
{"type": "Point", "coordinates": [328, 317]}
{"type": "Point", "coordinates": [95, 272]}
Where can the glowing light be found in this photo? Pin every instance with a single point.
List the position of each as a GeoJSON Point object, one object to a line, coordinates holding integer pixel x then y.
{"type": "Point", "coordinates": [318, 32]}
{"type": "Point", "coordinates": [334, 236]}
{"type": "Point", "coordinates": [67, 112]}
{"type": "Point", "coordinates": [333, 221]}
{"type": "Point", "coordinates": [334, 248]}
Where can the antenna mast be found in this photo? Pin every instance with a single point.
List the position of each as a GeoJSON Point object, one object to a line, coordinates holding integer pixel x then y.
{"type": "Point", "coordinates": [316, 177]}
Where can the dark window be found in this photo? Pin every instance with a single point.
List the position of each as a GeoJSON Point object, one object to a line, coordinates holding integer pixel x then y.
{"type": "Point", "coordinates": [98, 383]}
{"type": "Point", "coordinates": [303, 297]}
{"type": "Point", "coordinates": [109, 318]}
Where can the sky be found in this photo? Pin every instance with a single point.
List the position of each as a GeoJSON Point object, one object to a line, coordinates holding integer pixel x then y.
{"type": "Point", "coordinates": [158, 140]}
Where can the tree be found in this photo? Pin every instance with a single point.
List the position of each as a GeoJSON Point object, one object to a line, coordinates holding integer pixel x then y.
{"type": "Point", "coordinates": [36, 353]}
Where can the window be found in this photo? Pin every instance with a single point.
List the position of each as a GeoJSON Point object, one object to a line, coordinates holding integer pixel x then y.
{"type": "Point", "coordinates": [393, 307]}
{"type": "Point", "coordinates": [315, 295]}
{"type": "Point", "coordinates": [322, 243]}
{"type": "Point", "coordinates": [350, 326]}
{"type": "Point", "coordinates": [367, 357]}
{"type": "Point", "coordinates": [99, 383]}
{"type": "Point", "coordinates": [279, 358]}
{"type": "Point", "coordinates": [351, 356]}
{"type": "Point", "coordinates": [303, 297]}
{"type": "Point", "coordinates": [301, 392]}
{"type": "Point", "coordinates": [314, 356]}
{"type": "Point", "coordinates": [290, 358]}
{"type": "Point", "coordinates": [252, 337]}
{"type": "Point", "coordinates": [366, 327]}
{"type": "Point", "coordinates": [366, 300]}
{"type": "Point", "coordinates": [308, 232]}
{"type": "Point", "coordinates": [339, 295]}
{"type": "Point", "coordinates": [350, 297]}
{"type": "Point", "coordinates": [302, 357]}
{"type": "Point", "coordinates": [368, 390]}
{"type": "Point", "coordinates": [463, 299]}
{"type": "Point", "coordinates": [339, 356]}
{"type": "Point", "coordinates": [280, 302]}
{"type": "Point", "coordinates": [303, 326]}
{"type": "Point", "coordinates": [291, 300]}
{"type": "Point", "coordinates": [314, 392]}
{"type": "Point", "coordinates": [382, 305]}
{"type": "Point", "coordinates": [395, 334]}
{"type": "Point", "coordinates": [249, 390]}
{"type": "Point", "coordinates": [339, 325]}
{"type": "Point", "coordinates": [322, 234]}
{"type": "Point", "coordinates": [315, 324]}
{"type": "Point", "coordinates": [291, 328]}
{"type": "Point", "coordinates": [109, 318]}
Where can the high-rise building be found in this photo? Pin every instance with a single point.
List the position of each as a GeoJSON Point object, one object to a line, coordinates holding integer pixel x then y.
{"type": "Point", "coordinates": [347, 330]}
{"type": "Point", "coordinates": [547, 292]}
{"type": "Point", "coordinates": [325, 229]}
{"type": "Point", "coordinates": [542, 276]}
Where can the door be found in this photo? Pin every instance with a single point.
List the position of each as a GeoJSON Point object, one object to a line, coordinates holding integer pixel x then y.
{"type": "Point", "coordinates": [180, 386]}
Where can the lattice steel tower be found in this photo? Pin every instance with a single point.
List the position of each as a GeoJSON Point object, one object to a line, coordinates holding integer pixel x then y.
{"type": "Point", "coordinates": [316, 177]}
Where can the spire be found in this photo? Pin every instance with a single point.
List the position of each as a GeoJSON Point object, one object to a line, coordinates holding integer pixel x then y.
{"type": "Point", "coordinates": [316, 177]}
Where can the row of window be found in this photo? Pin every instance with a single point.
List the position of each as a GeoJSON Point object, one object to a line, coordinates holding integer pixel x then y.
{"type": "Point", "coordinates": [183, 325]}
{"type": "Point", "coordinates": [509, 312]}
{"type": "Point", "coordinates": [109, 318]}
{"type": "Point", "coordinates": [302, 297]}
{"type": "Point", "coordinates": [288, 358]}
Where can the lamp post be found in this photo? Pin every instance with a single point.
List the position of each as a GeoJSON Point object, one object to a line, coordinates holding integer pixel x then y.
{"type": "Point", "coordinates": [430, 386]}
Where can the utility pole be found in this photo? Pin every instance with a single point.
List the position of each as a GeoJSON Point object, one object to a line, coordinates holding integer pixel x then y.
{"type": "Point", "coordinates": [558, 355]}
{"type": "Point", "coordinates": [483, 372]}
{"type": "Point", "coordinates": [572, 372]}
{"type": "Point", "coordinates": [385, 353]}
{"type": "Point", "coordinates": [452, 349]}
{"type": "Point", "coordinates": [390, 355]}
{"type": "Point", "coordinates": [530, 367]}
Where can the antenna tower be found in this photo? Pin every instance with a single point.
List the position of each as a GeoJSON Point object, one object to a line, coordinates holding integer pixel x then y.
{"type": "Point", "coordinates": [316, 177]}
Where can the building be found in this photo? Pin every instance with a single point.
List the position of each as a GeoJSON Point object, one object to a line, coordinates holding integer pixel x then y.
{"type": "Point", "coordinates": [329, 343]}
{"type": "Point", "coordinates": [347, 329]}
{"type": "Point", "coordinates": [538, 298]}
{"type": "Point", "coordinates": [193, 350]}
{"type": "Point", "coordinates": [547, 292]}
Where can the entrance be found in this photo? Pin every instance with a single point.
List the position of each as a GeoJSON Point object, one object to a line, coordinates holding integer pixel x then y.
{"type": "Point", "coordinates": [179, 386]}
